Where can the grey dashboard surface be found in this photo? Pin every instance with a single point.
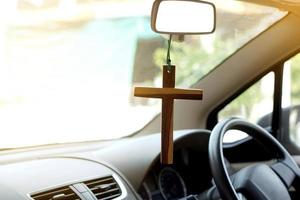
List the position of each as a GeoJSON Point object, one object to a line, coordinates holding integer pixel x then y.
{"type": "Point", "coordinates": [134, 158]}
{"type": "Point", "coordinates": [130, 159]}
{"type": "Point", "coordinates": [27, 172]}
{"type": "Point", "coordinates": [19, 180]}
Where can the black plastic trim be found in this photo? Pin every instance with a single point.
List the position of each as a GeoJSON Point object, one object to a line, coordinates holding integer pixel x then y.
{"type": "Point", "coordinates": [277, 100]}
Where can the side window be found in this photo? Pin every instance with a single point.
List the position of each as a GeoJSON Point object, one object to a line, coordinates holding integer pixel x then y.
{"type": "Point", "coordinates": [291, 99]}
{"type": "Point", "coordinates": [255, 105]}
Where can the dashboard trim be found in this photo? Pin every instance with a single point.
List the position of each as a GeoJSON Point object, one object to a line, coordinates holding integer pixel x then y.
{"type": "Point", "coordinates": [117, 179]}
{"type": "Point", "coordinates": [122, 187]}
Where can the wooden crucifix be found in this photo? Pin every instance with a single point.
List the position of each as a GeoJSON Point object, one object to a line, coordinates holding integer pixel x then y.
{"type": "Point", "coordinates": [167, 93]}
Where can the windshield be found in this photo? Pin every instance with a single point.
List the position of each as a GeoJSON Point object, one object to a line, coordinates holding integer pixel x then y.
{"type": "Point", "coordinates": [67, 67]}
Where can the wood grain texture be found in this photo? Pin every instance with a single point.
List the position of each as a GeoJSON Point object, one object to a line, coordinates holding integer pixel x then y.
{"type": "Point", "coordinates": [167, 117]}
{"type": "Point", "coordinates": [171, 93]}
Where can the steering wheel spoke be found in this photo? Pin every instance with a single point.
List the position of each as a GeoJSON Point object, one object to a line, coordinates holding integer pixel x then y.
{"type": "Point", "coordinates": [258, 182]}
{"type": "Point", "coordinates": [284, 172]}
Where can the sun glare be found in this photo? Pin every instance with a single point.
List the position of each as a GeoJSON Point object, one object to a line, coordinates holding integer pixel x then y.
{"type": "Point", "coordinates": [67, 67]}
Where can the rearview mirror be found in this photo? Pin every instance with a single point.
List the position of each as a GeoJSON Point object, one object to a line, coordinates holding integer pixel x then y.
{"type": "Point", "coordinates": [183, 17]}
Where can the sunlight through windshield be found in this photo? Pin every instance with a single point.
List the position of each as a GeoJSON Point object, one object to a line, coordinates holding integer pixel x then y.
{"type": "Point", "coordinates": [67, 67]}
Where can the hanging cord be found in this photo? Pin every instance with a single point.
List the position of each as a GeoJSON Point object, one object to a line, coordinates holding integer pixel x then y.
{"type": "Point", "coordinates": [168, 54]}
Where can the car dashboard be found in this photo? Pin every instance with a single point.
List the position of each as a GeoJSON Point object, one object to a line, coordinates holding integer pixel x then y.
{"type": "Point", "coordinates": [127, 168]}
{"type": "Point", "coordinates": [121, 169]}
{"type": "Point", "coordinates": [62, 178]}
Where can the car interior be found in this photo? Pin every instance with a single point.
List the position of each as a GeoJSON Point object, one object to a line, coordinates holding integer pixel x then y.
{"type": "Point", "coordinates": [76, 122]}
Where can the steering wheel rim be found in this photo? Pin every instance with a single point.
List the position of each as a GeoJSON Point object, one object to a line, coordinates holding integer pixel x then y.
{"type": "Point", "coordinates": [217, 162]}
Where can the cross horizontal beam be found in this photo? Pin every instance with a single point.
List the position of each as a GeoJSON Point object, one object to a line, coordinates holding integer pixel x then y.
{"type": "Point", "coordinates": [170, 93]}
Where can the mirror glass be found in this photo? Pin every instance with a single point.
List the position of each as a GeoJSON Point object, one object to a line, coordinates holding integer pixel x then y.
{"type": "Point", "coordinates": [183, 17]}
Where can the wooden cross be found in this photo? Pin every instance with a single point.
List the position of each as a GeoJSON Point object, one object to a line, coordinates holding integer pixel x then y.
{"type": "Point", "coordinates": [168, 93]}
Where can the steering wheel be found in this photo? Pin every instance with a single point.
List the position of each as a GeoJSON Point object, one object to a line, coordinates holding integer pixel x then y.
{"type": "Point", "coordinates": [258, 181]}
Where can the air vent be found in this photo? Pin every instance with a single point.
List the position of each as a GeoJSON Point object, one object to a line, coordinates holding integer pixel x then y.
{"type": "Point", "coordinates": [104, 188]}
{"type": "Point", "coordinates": [61, 193]}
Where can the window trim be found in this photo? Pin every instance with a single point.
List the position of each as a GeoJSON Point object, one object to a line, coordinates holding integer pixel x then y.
{"type": "Point", "coordinates": [212, 118]}
{"type": "Point", "coordinates": [277, 100]}
{"type": "Point", "coordinates": [282, 137]}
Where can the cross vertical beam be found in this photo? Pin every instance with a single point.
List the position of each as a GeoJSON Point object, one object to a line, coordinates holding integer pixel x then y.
{"type": "Point", "coordinates": [167, 117]}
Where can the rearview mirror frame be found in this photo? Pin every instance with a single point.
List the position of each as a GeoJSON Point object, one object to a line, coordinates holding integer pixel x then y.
{"type": "Point", "coordinates": [155, 9]}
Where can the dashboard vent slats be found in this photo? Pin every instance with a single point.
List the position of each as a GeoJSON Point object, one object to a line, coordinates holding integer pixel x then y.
{"type": "Point", "coordinates": [104, 188]}
{"type": "Point", "coordinates": [61, 193]}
